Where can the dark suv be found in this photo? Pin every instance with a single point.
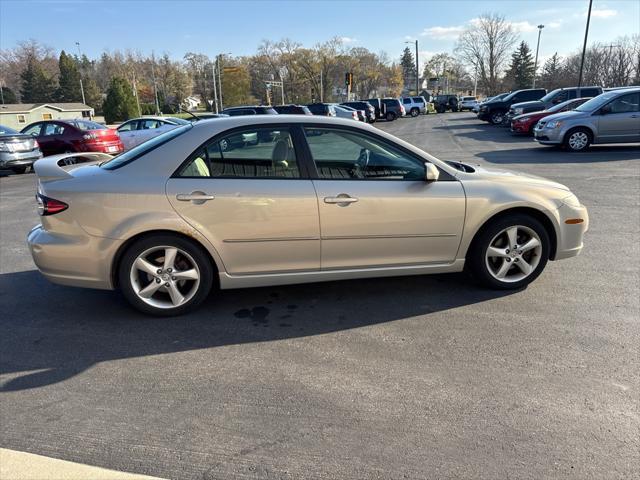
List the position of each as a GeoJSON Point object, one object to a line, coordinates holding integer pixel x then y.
{"type": "Point", "coordinates": [292, 110]}
{"type": "Point", "coordinates": [496, 111]}
{"type": "Point", "coordinates": [370, 111]}
{"type": "Point", "coordinates": [445, 102]}
{"type": "Point", "coordinates": [250, 110]}
{"type": "Point", "coordinates": [323, 109]}
{"type": "Point", "coordinates": [552, 98]}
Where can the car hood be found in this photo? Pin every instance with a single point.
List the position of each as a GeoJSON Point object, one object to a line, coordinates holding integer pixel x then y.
{"type": "Point", "coordinates": [566, 115]}
{"type": "Point", "coordinates": [514, 178]}
{"type": "Point", "coordinates": [529, 105]}
{"type": "Point", "coordinates": [530, 115]}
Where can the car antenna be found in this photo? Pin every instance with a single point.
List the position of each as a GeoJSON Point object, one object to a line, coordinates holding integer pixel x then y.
{"type": "Point", "coordinates": [194, 116]}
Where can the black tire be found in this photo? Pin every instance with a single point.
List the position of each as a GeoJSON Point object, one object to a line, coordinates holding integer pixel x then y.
{"type": "Point", "coordinates": [414, 112]}
{"type": "Point", "coordinates": [440, 109]}
{"type": "Point", "coordinates": [476, 257]}
{"type": "Point", "coordinates": [496, 118]}
{"type": "Point", "coordinates": [19, 170]}
{"type": "Point", "coordinates": [571, 143]}
{"type": "Point", "coordinates": [196, 252]}
{"type": "Point", "coordinates": [390, 116]}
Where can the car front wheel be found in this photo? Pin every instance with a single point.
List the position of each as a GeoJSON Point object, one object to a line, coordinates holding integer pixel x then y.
{"type": "Point", "coordinates": [510, 253]}
{"type": "Point", "coordinates": [497, 118]}
{"type": "Point", "coordinates": [577, 140]}
{"type": "Point", "coordinates": [165, 275]}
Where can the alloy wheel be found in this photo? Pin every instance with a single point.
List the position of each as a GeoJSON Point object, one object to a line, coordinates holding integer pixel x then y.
{"type": "Point", "coordinates": [578, 140]}
{"type": "Point", "coordinates": [513, 254]}
{"type": "Point", "coordinates": [165, 277]}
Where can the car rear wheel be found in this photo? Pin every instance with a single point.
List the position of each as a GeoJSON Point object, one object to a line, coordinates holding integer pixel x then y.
{"type": "Point", "coordinates": [510, 252]}
{"type": "Point", "coordinates": [497, 118]}
{"type": "Point", "coordinates": [165, 275]}
{"type": "Point", "coordinates": [414, 112]}
{"type": "Point", "coordinates": [390, 116]}
{"type": "Point", "coordinates": [577, 140]}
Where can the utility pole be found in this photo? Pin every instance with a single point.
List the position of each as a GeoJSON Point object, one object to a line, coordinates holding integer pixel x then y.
{"type": "Point", "coordinates": [584, 46]}
{"type": "Point", "coordinates": [215, 87]}
{"type": "Point", "coordinates": [219, 61]}
{"type": "Point", "coordinates": [321, 88]}
{"type": "Point", "coordinates": [475, 81]}
{"type": "Point", "coordinates": [155, 86]}
{"type": "Point", "coordinates": [535, 65]}
{"type": "Point", "coordinates": [81, 86]}
{"type": "Point", "coordinates": [135, 92]}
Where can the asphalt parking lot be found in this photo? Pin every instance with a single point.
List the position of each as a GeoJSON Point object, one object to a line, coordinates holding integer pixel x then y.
{"type": "Point", "coordinates": [417, 377]}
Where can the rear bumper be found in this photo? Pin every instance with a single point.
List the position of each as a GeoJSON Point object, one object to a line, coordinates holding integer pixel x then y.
{"type": "Point", "coordinates": [19, 159]}
{"type": "Point", "coordinates": [78, 261]}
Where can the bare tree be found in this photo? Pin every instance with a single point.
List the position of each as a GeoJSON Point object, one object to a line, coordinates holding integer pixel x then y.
{"type": "Point", "coordinates": [486, 44]}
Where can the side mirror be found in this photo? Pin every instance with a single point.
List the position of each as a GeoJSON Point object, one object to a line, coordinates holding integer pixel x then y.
{"type": "Point", "coordinates": [431, 172]}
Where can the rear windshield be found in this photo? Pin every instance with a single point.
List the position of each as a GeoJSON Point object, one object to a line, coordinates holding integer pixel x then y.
{"type": "Point", "coordinates": [144, 148]}
{"type": "Point", "coordinates": [549, 96]}
{"type": "Point", "coordinates": [86, 125]}
{"type": "Point", "coordinates": [7, 131]}
{"type": "Point", "coordinates": [178, 121]}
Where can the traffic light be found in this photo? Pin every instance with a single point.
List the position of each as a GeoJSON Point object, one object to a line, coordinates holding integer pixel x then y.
{"type": "Point", "coordinates": [348, 79]}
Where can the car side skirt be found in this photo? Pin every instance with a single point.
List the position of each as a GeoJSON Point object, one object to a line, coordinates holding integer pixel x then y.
{"type": "Point", "coordinates": [228, 281]}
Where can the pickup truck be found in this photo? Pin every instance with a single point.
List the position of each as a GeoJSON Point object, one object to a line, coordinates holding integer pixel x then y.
{"type": "Point", "coordinates": [552, 98]}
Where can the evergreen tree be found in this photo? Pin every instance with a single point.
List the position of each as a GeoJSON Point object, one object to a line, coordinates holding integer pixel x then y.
{"type": "Point", "coordinates": [69, 80]}
{"type": "Point", "coordinates": [552, 72]}
{"type": "Point", "coordinates": [92, 94]}
{"type": "Point", "coordinates": [8, 95]}
{"type": "Point", "coordinates": [120, 104]}
{"type": "Point", "coordinates": [408, 65]}
{"type": "Point", "coordinates": [37, 87]}
{"type": "Point", "coordinates": [522, 68]}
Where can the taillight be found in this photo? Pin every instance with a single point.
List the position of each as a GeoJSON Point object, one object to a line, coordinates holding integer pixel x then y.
{"type": "Point", "coordinates": [354, 115]}
{"type": "Point", "coordinates": [89, 136]}
{"type": "Point", "coordinates": [49, 206]}
{"type": "Point", "coordinates": [36, 144]}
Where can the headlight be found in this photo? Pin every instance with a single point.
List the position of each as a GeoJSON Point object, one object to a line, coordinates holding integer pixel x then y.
{"type": "Point", "coordinates": [572, 201]}
{"type": "Point", "coordinates": [4, 147]}
{"type": "Point", "coordinates": [553, 124]}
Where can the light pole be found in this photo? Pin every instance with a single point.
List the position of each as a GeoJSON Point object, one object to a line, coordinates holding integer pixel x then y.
{"type": "Point", "coordinates": [584, 46]}
{"type": "Point", "coordinates": [417, 68]}
{"type": "Point", "coordinates": [219, 66]}
{"type": "Point", "coordinates": [81, 86]}
{"type": "Point", "coordinates": [535, 65]}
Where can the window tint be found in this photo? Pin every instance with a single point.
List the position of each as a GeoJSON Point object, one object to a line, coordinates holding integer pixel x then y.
{"type": "Point", "coordinates": [87, 125]}
{"type": "Point", "coordinates": [149, 124]}
{"type": "Point", "coordinates": [347, 155]}
{"type": "Point", "coordinates": [561, 96]}
{"type": "Point", "coordinates": [626, 103]}
{"type": "Point", "coordinates": [589, 92]}
{"type": "Point", "coordinates": [251, 153]}
{"type": "Point", "coordinates": [52, 129]}
{"type": "Point", "coordinates": [406, 100]}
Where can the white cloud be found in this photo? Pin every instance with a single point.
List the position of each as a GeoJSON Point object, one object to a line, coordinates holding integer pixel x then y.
{"type": "Point", "coordinates": [557, 24]}
{"type": "Point", "coordinates": [523, 27]}
{"type": "Point", "coordinates": [443, 32]}
{"type": "Point", "coordinates": [604, 13]}
{"type": "Point", "coordinates": [348, 39]}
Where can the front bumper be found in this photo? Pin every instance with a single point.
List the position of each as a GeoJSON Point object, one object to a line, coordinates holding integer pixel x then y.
{"type": "Point", "coordinates": [78, 261]}
{"type": "Point", "coordinates": [19, 159]}
{"type": "Point", "coordinates": [483, 115]}
{"type": "Point", "coordinates": [570, 240]}
{"type": "Point", "coordinates": [548, 136]}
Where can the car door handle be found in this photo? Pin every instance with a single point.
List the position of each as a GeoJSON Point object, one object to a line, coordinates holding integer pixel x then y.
{"type": "Point", "coordinates": [342, 199]}
{"type": "Point", "coordinates": [197, 197]}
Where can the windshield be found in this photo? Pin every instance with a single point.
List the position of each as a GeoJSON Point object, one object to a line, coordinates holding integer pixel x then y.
{"type": "Point", "coordinates": [549, 96]}
{"type": "Point", "coordinates": [7, 131]}
{"type": "Point", "coordinates": [144, 148]}
{"type": "Point", "coordinates": [596, 103]}
{"type": "Point", "coordinates": [560, 106]}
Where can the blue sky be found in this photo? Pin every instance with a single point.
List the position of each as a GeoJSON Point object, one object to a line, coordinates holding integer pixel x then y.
{"type": "Point", "coordinates": [212, 27]}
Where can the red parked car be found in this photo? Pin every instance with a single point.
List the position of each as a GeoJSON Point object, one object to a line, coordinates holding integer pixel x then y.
{"type": "Point", "coordinates": [62, 136]}
{"type": "Point", "coordinates": [524, 123]}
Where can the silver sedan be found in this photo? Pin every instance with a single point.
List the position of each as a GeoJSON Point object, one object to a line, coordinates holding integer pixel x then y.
{"type": "Point", "coordinates": [309, 200]}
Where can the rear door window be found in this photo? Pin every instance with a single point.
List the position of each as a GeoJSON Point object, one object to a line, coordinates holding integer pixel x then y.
{"type": "Point", "coordinates": [51, 129]}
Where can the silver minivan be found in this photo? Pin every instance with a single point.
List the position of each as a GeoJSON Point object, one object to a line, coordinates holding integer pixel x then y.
{"type": "Point", "coordinates": [613, 117]}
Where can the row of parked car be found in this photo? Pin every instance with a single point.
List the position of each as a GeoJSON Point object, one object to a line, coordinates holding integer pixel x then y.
{"type": "Point", "coordinates": [574, 117]}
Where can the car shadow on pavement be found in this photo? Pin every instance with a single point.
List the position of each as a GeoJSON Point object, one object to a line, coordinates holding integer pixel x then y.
{"type": "Point", "coordinates": [49, 333]}
{"type": "Point", "coordinates": [547, 154]}
{"type": "Point", "coordinates": [486, 131]}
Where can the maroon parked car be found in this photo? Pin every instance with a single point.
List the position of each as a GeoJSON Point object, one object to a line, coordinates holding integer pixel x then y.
{"type": "Point", "coordinates": [62, 136]}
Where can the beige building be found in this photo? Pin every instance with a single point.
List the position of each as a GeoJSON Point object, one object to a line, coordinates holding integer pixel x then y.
{"type": "Point", "coordinates": [19, 115]}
